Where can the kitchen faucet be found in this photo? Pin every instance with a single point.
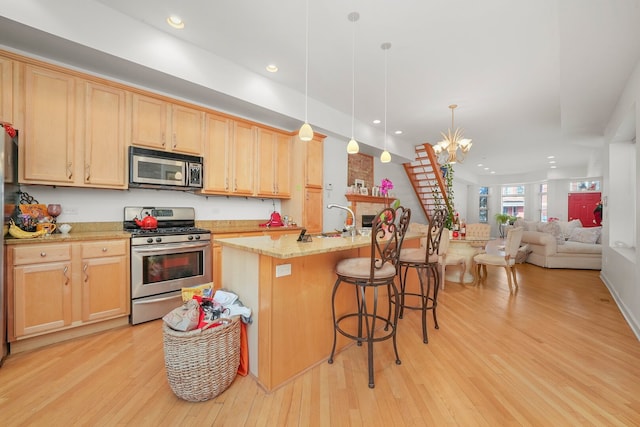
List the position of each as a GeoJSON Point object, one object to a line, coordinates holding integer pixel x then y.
{"type": "Point", "coordinates": [350, 228]}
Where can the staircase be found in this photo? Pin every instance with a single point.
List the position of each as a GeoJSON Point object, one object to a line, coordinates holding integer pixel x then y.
{"type": "Point", "coordinates": [426, 178]}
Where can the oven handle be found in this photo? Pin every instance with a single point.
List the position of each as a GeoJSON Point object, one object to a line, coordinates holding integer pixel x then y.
{"type": "Point", "coordinates": [169, 246]}
{"type": "Point", "coordinates": [156, 300]}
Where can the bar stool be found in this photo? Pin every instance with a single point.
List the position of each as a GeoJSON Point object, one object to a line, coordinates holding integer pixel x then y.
{"type": "Point", "coordinates": [426, 262]}
{"type": "Point", "coordinates": [367, 275]}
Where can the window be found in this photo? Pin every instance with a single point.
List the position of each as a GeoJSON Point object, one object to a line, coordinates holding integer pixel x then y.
{"type": "Point", "coordinates": [542, 193]}
{"type": "Point", "coordinates": [513, 200]}
{"type": "Point", "coordinates": [584, 186]}
{"type": "Point", "coordinates": [483, 203]}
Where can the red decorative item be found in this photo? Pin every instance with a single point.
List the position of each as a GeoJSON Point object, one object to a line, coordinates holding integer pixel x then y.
{"type": "Point", "coordinates": [10, 130]}
{"type": "Point", "coordinates": [148, 223]}
{"type": "Point", "coordinates": [274, 221]}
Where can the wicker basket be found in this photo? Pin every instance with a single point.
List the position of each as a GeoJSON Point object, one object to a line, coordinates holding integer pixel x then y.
{"type": "Point", "coordinates": [202, 364]}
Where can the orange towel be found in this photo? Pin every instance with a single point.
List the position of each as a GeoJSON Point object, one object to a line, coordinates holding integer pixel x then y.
{"type": "Point", "coordinates": [243, 369]}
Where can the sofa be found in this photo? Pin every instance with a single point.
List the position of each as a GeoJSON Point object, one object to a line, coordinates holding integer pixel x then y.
{"type": "Point", "coordinates": [562, 244]}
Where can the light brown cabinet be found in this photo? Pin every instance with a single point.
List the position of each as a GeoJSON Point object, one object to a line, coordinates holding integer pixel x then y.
{"type": "Point", "coordinates": [58, 286]}
{"type": "Point", "coordinates": [161, 125]}
{"type": "Point", "coordinates": [273, 164]}
{"type": "Point", "coordinates": [105, 268]}
{"type": "Point", "coordinates": [74, 131]}
{"type": "Point", "coordinates": [230, 150]}
{"type": "Point", "coordinates": [47, 144]}
{"type": "Point", "coordinates": [6, 90]}
{"type": "Point", "coordinates": [306, 203]}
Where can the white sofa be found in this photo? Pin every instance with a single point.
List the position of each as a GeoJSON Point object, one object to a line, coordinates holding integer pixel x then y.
{"type": "Point", "coordinates": [562, 245]}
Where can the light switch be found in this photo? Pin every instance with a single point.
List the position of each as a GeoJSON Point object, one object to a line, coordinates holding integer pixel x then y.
{"type": "Point", "coordinates": [283, 270]}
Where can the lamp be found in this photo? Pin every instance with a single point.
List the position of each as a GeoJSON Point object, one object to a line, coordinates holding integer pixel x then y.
{"type": "Point", "coordinates": [352, 146]}
{"type": "Point", "coordinates": [453, 148]}
{"type": "Point", "coordinates": [385, 157]}
{"type": "Point", "coordinates": [306, 133]}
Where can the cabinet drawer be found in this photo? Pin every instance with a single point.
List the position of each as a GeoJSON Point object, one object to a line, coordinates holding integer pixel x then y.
{"type": "Point", "coordinates": [35, 254]}
{"type": "Point", "coordinates": [104, 248]}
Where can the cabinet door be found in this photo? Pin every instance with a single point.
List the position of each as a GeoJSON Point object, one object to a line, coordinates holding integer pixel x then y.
{"type": "Point", "coordinates": [104, 279]}
{"type": "Point", "coordinates": [312, 210]}
{"type": "Point", "coordinates": [149, 123]}
{"type": "Point", "coordinates": [187, 128]}
{"type": "Point", "coordinates": [42, 298]}
{"type": "Point", "coordinates": [244, 151]}
{"type": "Point", "coordinates": [283, 168]}
{"type": "Point", "coordinates": [105, 153]}
{"type": "Point", "coordinates": [266, 163]}
{"type": "Point", "coordinates": [314, 161]}
{"type": "Point", "coordinates": [6, 90]}
{"type": "Point", "coordinates": [47, 144]}
{"type": "Point", "coordinates": [217, 177]}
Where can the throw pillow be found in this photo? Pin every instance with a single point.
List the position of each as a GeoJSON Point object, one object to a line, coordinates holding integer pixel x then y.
{"type": "Point", "coordinates": [568, 226]}
{"type": "Point", "coordinates": [585, 235]}
{"type": "Point", "coordinates": [552, 228]}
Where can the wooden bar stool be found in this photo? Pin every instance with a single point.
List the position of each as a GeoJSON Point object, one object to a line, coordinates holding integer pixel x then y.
{"type": "Point", "coordinates": [367, 275]}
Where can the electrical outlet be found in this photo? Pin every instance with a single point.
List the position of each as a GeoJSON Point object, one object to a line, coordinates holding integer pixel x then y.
{"type": "Point", "coordinates": [329, 186]}
{"type": "Point", "coordinates": [283, 270]}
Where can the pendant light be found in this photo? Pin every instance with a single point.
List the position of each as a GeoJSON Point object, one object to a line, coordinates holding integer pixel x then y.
{"type": "Point", "coordinates": [306, 133]}
{"type": "Point", "coordinates": [385, 157]}
{"type": "Point", "coordinates": [352, 147]}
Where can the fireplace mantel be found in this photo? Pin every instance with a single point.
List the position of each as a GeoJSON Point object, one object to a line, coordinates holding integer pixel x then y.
{"type": "Point", "coordinates": [366, 205]}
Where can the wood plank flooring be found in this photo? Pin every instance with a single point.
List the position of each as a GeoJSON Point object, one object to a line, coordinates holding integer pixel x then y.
{"type": "Point", "coordinates": [557, 353]}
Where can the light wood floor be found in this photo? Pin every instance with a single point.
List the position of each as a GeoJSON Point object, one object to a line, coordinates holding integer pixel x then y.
{"type": "Point", "coordinates": [557, 353]}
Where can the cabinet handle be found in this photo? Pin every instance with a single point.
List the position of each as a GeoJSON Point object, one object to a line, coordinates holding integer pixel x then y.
{"type": "Point", "coordinates": [104, 249]}
{"type": "Point", "coordinates": [235, 184]}
{"type": "Point", "coordinates": [88, 172]}
{"type": "Point", "coordinates": [175, 144]}
{"type": "Point", "coordinates": [226, 184]}
{"type": "Point", "coordinates": [163, 139]}
{"type": "Point", "coordinates": [64, 273]}
{"type": "Point", "coordinates": [84, 270]}
{"type": "Point", "coordinates": [69, 171]}
{"type": "Point", "coordinates": [43, 254]}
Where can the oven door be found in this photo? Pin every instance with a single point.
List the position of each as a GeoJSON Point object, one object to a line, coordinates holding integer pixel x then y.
{"type": "Point", "coordinates": [158, 269]}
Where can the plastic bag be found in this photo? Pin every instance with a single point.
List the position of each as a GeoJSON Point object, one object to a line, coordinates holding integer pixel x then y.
{"type": "Point", "coordinates": [184, 318]}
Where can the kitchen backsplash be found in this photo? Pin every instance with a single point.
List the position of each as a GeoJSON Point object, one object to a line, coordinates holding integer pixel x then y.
{"type": "Point", "coordinates": [96, 205]}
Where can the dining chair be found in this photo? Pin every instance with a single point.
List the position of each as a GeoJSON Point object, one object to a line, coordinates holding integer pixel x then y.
{"type": "Point", "coordinates": [367, 276]}
{"type": "Point", "coordinates": [504, 257]}
{"type": "Point", "coordinates": [446, 257]}
{"type": "Point", "coordinates": [425, 261]}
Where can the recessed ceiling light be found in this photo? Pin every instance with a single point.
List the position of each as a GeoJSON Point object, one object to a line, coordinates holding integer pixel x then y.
{"type": "Point", "coordinates": [551, 157]}
{"type": "Point", "coordinates": [175, 22]}
{"type": "Point", "coordinates": [376, 122]}
{"type": "Point", "coordinates": [398, 132]}
{"type": "Point", "coordinates": [272, 68]}
{"type": "Point", "coordinates": [493, 171]}
{"type": "Point", "coordinates": [480, 165]}
{"type": "Point", "coordinates": [486, 169]}
{"type": "Point", "coordinates": [552, 162]}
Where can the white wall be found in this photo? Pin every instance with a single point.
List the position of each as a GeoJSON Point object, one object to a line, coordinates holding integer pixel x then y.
{"type": "Point", "coordinates": [621, 266]}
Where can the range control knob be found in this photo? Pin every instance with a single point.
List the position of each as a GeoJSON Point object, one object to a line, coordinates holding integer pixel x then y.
{"type": "Point", "coordinates": [149, 240]}
{"type": "Point", "coordinates": [158, 239]}
{"type": "Point", "coordinates": [190, 237]}
{"type": "Point", "coordinates": [197, 237]}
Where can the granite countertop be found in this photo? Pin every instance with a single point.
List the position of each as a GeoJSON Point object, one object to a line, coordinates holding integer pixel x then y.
{"type": "Point", "coordinates": [113, 230]}
{"type": "Point", "coordinates": [287, 246]}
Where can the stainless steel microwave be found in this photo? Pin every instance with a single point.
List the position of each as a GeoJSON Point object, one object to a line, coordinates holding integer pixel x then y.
{"type": "Point", "coordinates": [160, 169]}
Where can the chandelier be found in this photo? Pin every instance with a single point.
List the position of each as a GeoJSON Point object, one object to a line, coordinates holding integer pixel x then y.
{"type": "Point", "coordinates": [453, 148]}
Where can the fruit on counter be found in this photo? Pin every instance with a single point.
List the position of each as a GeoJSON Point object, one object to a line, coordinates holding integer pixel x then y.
{"type": "Point", "coordinates": [19, 233]}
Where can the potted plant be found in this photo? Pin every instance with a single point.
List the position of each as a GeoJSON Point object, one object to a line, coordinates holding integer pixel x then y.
{"type": "Point", "coordinates": [503, 219]}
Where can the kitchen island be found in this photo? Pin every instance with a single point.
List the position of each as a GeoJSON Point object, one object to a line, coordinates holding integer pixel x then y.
{"type": "Point", "coordinates": [288, 284]}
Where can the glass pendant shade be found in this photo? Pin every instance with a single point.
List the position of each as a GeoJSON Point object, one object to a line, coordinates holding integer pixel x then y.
{"type": "Point", "coordinates": [305, 133]}
{"type": "Point", "coordinates": [385, 157]}
{"type": "Point", "coordinates": [353, 147]}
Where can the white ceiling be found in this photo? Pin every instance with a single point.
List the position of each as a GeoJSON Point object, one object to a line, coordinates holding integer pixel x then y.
{"type": "Point", "coordinates": [531, 78]}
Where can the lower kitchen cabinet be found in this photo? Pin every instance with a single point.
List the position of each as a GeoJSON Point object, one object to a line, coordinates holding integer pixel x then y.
{"type": "Point", "coordinates": [59, 286]}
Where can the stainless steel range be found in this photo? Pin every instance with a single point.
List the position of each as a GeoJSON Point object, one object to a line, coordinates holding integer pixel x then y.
{"type": "Point", "coordinates": [175, 255]}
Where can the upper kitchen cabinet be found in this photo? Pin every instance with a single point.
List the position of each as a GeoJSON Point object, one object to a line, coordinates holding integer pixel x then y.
{"type": "Point", "coordinates": [104, 144]}
{"type": "Point", "coordinates": [47, 145]}
{"type": "Point", "coordinates": [161, 125]}
{"type": "Point", "coordinates": [274, 164]}
{"type": "Point", "coordinates": [229, 161]}
{"type": "Point", "coordinates": [74, 131]}
{"type": "Point", "coordinates": [313, 162]}
{"type": "Point", "coordinates": [6, 90]}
